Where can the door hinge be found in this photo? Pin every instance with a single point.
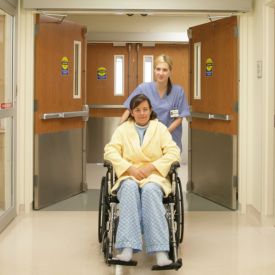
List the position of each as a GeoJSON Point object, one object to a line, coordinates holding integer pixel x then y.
{"type": "Point", "coordinates": [189, 33]}
{"type": "Point", "coordinates": [235, 181]}
{"type": "Point", "coordinates": [35, 182]}
{"type": "Point", "coordinates": [35, 105]}
{"type": "Point", "coordinates": [189, 186]}
{"type": "Point", "coordinates": [36, 29]}
{"type": "Point", "coordinates": [236, 107]}
{"type": "Point", "coordinates": [236, 31]}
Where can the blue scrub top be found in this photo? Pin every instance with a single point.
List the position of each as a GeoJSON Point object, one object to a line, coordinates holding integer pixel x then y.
{"type": "Point", "coordinates": [175, 102]}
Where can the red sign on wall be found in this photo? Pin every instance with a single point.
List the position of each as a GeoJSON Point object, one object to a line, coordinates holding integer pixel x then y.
{"type": "Point", "coordinates": [5, 105]}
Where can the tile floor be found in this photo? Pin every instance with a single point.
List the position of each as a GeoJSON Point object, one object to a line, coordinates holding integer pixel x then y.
{"type": "Point", "coordinates": [62, 240]}
{"type": "Point", "coordinates": [216, 242]}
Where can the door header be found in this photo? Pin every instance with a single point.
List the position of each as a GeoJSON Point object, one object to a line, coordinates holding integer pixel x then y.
{"type": "Point", "coordinates": [141, 5]}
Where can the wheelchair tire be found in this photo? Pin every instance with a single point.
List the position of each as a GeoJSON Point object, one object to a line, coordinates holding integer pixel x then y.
{"type": "Point", "coordinates": [102, 209]}
{"type": "Point", "coordinates": [105, 248]}
{"type": "Point", "coordinates": [179, 215]}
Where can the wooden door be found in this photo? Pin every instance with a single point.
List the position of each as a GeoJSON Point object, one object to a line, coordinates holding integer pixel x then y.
{"type": "Point", "coordinates": [214, 101]}
{"type": "Point", "coordinates": [60, 95]}
{"type": "Point", "coordinates": [179, 53]}
{"type": "Point", "coordinates": [101, 77]}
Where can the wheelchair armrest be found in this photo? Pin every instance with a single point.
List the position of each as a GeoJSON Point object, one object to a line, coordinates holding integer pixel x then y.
{"type": "Point", "coordinates": [108, 164]}
{"type": "Point", "coordinates": [173, 168]}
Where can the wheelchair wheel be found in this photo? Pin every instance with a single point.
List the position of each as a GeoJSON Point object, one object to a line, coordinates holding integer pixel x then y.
{"type": "Point", "coordinates": [179, 212]}
{"type": "Point", "coordinates": [102, 209]}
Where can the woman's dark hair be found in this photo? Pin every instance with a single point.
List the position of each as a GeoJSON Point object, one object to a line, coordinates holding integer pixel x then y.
{"type": "Point", "coordinates": [137, 100]}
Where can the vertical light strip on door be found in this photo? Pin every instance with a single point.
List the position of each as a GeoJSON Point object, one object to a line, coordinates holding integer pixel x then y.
{"type": "Point", "coordinates": [197, 70]}
{"type": "Point", "coordinates": [77, 70]}
{"type": "Point", "coordinates": [119, 75]}
{"type": "Point", "coordinates": [148, 61]}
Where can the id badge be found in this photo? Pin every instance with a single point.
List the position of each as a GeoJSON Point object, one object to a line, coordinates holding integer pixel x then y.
{"type": "Point", "coordinates": [174, 113]}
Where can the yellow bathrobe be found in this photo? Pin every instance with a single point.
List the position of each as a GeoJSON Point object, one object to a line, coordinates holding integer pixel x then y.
{"type": "Point", "coordinates": [157, 148]}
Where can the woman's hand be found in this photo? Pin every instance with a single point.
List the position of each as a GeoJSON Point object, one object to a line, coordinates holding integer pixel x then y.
{"type": "Point", "coordinates": [147, 170]}
{"type": "Point", "coordinates": [136, 173]}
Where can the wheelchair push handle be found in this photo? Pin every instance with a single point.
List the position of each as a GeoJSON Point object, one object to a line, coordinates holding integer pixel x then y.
{"type": "Point", "coordinates": [174, 166]}
{"type": "Point", "coordinates": [108, 165]}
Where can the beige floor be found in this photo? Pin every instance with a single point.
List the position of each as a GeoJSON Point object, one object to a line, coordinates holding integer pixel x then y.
{"type": "Point", "coordinates": [65, 243]}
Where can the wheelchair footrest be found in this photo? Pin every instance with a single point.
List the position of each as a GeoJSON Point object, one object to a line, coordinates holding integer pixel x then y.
{"type": "Point", "coordinates": [176, 265]}
{"type": "Point", "coordinates": [115, 261]}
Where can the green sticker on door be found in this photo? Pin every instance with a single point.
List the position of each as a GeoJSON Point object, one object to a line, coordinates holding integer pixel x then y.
{"type": "Point", "coordinates": [209, 67]}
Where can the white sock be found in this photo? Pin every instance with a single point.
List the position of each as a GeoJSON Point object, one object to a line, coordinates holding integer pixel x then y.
{"type": "Point", "coordinates": [162, 258]}
{"type": "Point", "coordinates": [126, 254]}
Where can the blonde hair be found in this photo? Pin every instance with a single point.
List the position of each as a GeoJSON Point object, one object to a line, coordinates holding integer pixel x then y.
{"type": "Point", "coordinates": [164, 59]}
{"type": "Point", "coordinates": [168, 60]}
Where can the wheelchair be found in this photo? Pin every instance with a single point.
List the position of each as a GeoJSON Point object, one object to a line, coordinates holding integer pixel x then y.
{"type": "Point", "coordinates": [108, 217]}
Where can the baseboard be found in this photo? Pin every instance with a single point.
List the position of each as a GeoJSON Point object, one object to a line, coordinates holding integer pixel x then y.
{"type": "Point", "coordinates": [258, 218]}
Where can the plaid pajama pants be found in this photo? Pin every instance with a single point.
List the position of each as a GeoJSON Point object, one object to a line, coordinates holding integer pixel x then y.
{"type": "Point", "coordinates": [141, 213]}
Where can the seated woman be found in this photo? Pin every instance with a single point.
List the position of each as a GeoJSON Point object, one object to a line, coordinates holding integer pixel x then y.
{"type": "Point", "coordinates": [142, 151]}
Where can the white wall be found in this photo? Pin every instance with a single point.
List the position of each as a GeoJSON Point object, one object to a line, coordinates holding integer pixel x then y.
{"type": "Point", "coordinates": [137, 23]}
{"type": "Point", "coordinates": [137, 28]}
{"type": "Point", "coordinates": [256, 110]}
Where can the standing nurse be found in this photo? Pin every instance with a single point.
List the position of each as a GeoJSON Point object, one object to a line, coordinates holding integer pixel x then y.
{"type": "Point", "coordinates": [168, 100]}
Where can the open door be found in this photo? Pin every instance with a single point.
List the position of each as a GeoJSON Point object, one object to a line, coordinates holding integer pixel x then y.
{"type": "Point", "coordinates": [60, 110]}
{"type": "Point", "coordinates": [214, 103]}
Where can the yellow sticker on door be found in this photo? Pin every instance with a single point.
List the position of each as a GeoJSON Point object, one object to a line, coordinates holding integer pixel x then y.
{"type": "Point", "coordinates": [101, 73]}
{"type": "Point", "coordinates": [209, 67]}
{"type": "Point", "coordinates": [64, 65]}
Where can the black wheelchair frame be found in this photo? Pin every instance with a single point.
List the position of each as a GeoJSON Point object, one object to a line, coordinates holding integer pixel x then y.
{"type": "Point", "coordinates": [108, 218]}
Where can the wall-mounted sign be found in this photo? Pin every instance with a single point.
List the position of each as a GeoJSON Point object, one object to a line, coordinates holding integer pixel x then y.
{"type": "Point", "coordinates": [209, 67]}
{"type": "Point", "coordinates": [64, 65]}
{"type": "Point", "coordinates": [101, 73]}
{"type": "Point", "coordinates": [6, 105]}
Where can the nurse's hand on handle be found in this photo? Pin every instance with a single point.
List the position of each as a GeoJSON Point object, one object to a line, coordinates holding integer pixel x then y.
{"type": "Point", "coordinates": [124, 116]}
{"type": "Point", "coordinates": [175, 124]}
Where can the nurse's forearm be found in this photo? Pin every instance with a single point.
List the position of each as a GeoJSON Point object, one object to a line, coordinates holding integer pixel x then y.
{"type": "Point", "coordinates": [175, 124]}
{"type": "Point", "coordinates": [124, 116]}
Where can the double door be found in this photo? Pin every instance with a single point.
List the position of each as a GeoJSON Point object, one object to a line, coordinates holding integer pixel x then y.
{"type": "Point", "coordinates": [126, 64]}
{"type": "Point", "coordinates": [130, 64]}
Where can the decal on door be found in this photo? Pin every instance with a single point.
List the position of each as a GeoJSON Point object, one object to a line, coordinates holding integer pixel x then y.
{"type": "Point", "coordinates": [209, 67]}
{"type": "Point", "coordinates": [64, 65]}
{"type": "Point", "coordinates": [101, 73]}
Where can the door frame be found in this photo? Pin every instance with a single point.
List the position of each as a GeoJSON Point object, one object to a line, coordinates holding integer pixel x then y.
{"type": "Point", "coordinates": [10, 214]}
